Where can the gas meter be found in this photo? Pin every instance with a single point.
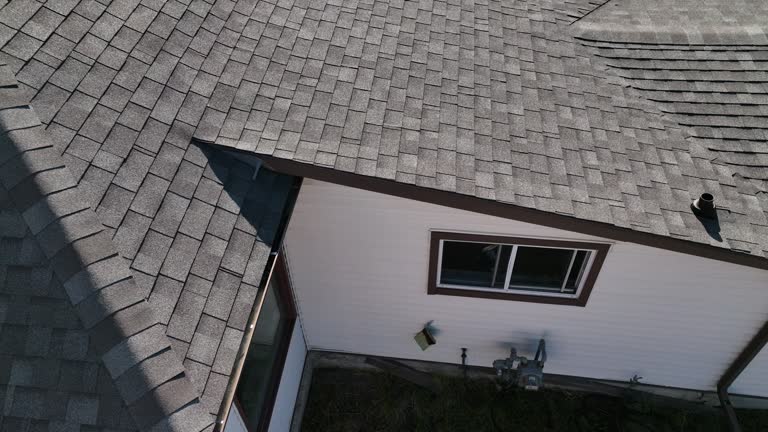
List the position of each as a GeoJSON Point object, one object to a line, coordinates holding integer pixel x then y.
{"type": "Point", "coordinates": [520, 371]}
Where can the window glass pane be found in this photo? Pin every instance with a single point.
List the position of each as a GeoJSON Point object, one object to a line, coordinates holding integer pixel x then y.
{"type": "Point", "coordinates": [470, 264]}
{"type": "Point", "coordinates": [262, 354]}
{"type": "Point", "coordinates": [501, 270]}
{"type": "Point", "coordinates": [540, 267]}
{"type": "Point", "coordinates": [577, 270]}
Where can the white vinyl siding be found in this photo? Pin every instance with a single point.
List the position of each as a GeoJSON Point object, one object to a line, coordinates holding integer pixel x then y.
{"type": "Point", "coordinates": [359, 262]}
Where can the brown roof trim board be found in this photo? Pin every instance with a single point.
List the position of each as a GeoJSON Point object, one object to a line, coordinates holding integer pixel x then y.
{"type": "Point", "coordinates": [601, 250]}
{"type": "Point", "coordinates": [504, 210]}
{"type": "Point", "coordinates": [753, 348]}
{"type": "Point", "coordinates": [148, 375]}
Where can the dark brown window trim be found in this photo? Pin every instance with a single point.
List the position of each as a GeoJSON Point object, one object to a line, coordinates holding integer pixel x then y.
{"type": "Point", "coordinates": [285, 293]}
{"type": "Point", "coordinates": [434, 250]}
{"type": "Point", "coordinates": [504, 210]}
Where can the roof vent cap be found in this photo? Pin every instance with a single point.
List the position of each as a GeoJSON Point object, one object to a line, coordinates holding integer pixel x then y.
{"type": "Point", "coordinates": [704, 206]}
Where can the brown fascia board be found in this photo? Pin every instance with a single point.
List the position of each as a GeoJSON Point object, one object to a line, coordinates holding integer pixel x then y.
{"type": "Point", "coordinates": [753, 348]}
{"type": "Point", "coordinates": [503, 210]}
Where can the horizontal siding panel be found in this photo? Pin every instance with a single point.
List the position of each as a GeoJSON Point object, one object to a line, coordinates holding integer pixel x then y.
{"type": "Point", "coordinates": [359, 265]}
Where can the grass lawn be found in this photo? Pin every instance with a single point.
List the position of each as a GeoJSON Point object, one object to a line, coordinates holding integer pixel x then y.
{"type": "Point", "coordinates": [345, 400]}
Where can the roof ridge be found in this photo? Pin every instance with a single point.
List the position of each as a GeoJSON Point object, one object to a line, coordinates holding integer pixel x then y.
{"type": "Point", "coordinates": [732, 22]}
{"type": "Point", "coordinates": [123, 328]}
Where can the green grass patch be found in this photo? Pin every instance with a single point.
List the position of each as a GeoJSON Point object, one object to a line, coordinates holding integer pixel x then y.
{"type": "Point", "coordinates": [344, 400]}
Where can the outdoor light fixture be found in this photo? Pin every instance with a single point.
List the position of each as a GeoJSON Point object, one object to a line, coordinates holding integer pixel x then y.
{"type": "Point", "coordinates": [426, 337]}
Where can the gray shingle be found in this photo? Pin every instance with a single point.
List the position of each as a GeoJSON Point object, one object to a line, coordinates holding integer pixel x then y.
{"type": "Point", "coordinates": [115, 97]}
{"type": "Point", "coordinates": [205, 342]}
{"type": "Point", "coordinates": [237, 252]}
{"type": "Point", "coordinates": [59, 204]}
{"type": "Point", "coordinates": [190, 418]}
{"type": "Point", "coordinates": [152, 253]}
{"type": "Point", "coordinates": [133, 171]}
{"type": "Point", "coordinates": [22, 46]}
{"type": "Point", "coordinates": [148, 375]}
{"type": "Point", "coordinates": [95, 277]}
{"type": "Point", "coordinates": [241, 309]}
{"type": "Point", "coordinates": [106, 302]}
{"type": "Point", "coordinates": [192, 109]}
{"type": "Point", "coordinates": [208, 191]}
{"type": "Point", "coordinates": [113, 207]}
{"type": "Point", "coordinates": [167, 398]}
{"type": "Point", "coordinates": [186, 316]}
{"type": "Point", "coordinates": [164, 296]}
{"type": "Point", "coordinates": [182, 77]}
{"type": "Point", "coordinates": [134, 116]}
{"type": "Point", "coordinates": [130, 234]}
{"type": "Point", "coordinates": [141, 18]}
{"type": "Point", "coordinates": [150, 195]}
{"type": "Point", "coordinates": [147, 93]}
{"type": "Point", "coordinates": [70, 73]}
{"type": "Point", "coordinates": [222, 295]}
{"type": "Point", "coordinates": [48, 102]}
{"type": "Point", "coordinates": [230, 344]}
{"type": "Point", "coordinates": [179, 260]}
{"type": "Point", "coordinates": [171, 212]}
{"type": "Point", "coordinates": [186, 179]}
{"type": "Point", "coordinates": [69, 228]}
{"type": "Point", "coordinates": [222, 223]}
{"type": "Point", "coordinates": [106, 27]}
{"type": "Point", "coordinates": [167, 161]}
{"type": "Point", "coordinates": [196, 219]}
{"type": "Point", "coordinates": [198, 285]}
{"type": "Point", "coordinates": [131, 74]}
{"type": "Point", "coordinates": [91, 46]}
{"type": "Point", "coordinates": [208, 257]}
{"type": "Point", "coordinates": [17, 13]}
{"type": "Point", "coordinates": [120, 141]}
{"type": "Point", "coordinates": [136, 348]}
{"type": "Point", "coordinates": [124, 323]}
{"type": "Point", "coordinates": [83, 148]}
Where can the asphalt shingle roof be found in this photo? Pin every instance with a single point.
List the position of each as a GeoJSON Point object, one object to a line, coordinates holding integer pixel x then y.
{"type": "Point", "coordinates": [50, 374]}
{"type": "Point", "coordinates": [609, 114]}
{"type": "Point", "coordinates": [75, 353]}
{"type": "Point", "coordinates": [491, 99]}
{"type": "Point", "coordinates": [114, 217]}
{"type": "Point", "coordinates": [706, 68]}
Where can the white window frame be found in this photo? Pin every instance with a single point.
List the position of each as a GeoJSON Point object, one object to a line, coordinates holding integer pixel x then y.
{"type": "Point", "coordinates": [522, 289]}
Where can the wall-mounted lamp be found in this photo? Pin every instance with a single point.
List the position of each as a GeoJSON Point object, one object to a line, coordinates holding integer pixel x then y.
{"type": "Point", "coordinates": [426, 337]}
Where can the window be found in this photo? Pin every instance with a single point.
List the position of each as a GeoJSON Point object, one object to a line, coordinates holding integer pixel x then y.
{"type": "Point", "coordinates": [538, 270]}
{"type": "Point", "coordinates": [263, 366]}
